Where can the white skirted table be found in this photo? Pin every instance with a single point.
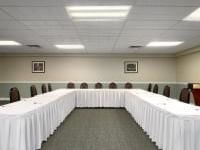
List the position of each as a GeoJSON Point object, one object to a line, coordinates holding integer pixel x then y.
{"type": "Point", "coordinates": [172, 125]}
{"type": "Point", "coordinates": [25, 124]}
{"type": "Point", "coordinates": [100, 98]}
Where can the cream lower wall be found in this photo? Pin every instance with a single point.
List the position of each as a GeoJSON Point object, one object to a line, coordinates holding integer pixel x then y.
{"type": "Point", "coordinates": [89, 69]}
{"type": "Point", "coordinates": [188, 68]}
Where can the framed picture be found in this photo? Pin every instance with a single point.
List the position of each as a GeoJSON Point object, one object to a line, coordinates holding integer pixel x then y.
{"type": "Point", "coordinates": [130, 67]}
{"type": "Point", "coordinates": [38, 66]}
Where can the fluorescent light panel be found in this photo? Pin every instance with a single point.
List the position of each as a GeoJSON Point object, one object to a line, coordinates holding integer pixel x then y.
{"type": "Point", "coordinates": [98, 8]}
{"type": "Point", "coordinates": [104, 19]}
{"type": "Point", "coordinates": [9, 43]}
{"type": "Point", "coordinates": [194, 16]}
{"type": "Point", "coordinates": [164, 44]}
{"type": "Point", "coordinates": [67, 46]}
{"type": "Point", "coordinates": [98, 12]}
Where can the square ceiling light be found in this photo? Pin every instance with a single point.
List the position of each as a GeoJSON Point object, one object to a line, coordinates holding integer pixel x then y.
{"type": "Point", "coordinates": [194, 16]}
{"type": "Point", "coordinates": [98, 13]}
{"type": "Point", "coordinates": [164, 43]}
{"type": "Point", "coordinates": [70, 46]}
{"type": "Point", "coordinates": [9, 43]}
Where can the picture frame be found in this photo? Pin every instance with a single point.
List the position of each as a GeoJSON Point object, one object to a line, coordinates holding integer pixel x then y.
{"type": "Point", "coordinates": [131, 67]}
{"type": "Point", "coordinates": [38, 66]}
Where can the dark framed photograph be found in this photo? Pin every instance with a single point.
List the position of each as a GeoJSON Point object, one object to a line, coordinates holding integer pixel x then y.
{"type": "Point", "coordinates": [130, 67]}
{"type": "Point", "coordinates": [38, 66]}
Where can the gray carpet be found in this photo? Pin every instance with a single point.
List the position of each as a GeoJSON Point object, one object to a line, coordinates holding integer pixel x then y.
{"type": "Point", "coordinates": [99, 129]}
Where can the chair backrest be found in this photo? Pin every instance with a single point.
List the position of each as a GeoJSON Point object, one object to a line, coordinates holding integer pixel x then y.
{"type": "Point", "coordinates": [84, 85]}
{"type": "Point", "coordinates": [33, 90]}
{"type": "Point", "coordinates": [155, 88]}
{"type": "Point", "coordinates": [112, 85]}
{"type": "Point", "coordinates": [149, 87]}
{"type": "Point", "coordinates": [98, 85]}
{"type": "Point", "coordinates": [44, 88]}
{"type": "Point", "coordinates": [14, 95]}
{"type": "Point", "coordinates": [128, 85]}
{"type": "Point", "coordinates": [185, 95]}
{"type": "Point", "coordinates": [166, 91]}
{"type": "Point", "coordinates": [70, 85]}
{"type": "Point", "coordinates": [49, 87]}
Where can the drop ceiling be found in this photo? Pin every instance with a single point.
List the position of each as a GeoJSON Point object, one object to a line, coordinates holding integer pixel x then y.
{"type": "Point", "coordinates": [46, 23]}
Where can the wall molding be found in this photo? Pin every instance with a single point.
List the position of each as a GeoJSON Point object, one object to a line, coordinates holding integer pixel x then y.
{"type": "Point", "coordinates": [120, 55]}
{"type": "Point", "coordinates": [188, 51]}
{"type": "Point", "coordinates": [92, 82]}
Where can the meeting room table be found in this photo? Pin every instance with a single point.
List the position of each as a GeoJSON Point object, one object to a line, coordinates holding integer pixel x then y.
{"type": "Point", "coordinates": [171, 124]}
{"type": "Point", "coordinates": [26, 123]}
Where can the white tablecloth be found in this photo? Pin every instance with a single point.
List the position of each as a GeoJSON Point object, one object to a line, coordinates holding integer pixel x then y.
{"type": "Point", "coordinates": [171, 124]}
{"type": "Point", "coordinates": [100, 98]}
{"type": "Point", "coordinates": [25, 124]}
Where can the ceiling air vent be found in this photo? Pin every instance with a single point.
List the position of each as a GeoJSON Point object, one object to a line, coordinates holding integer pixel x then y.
{"type": "Point", "coordinates": [34, 46]}
{"type": "Point", "coordinates": [135, 46]}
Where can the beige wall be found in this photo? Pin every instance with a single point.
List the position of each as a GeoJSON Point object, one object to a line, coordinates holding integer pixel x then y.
{"type": "Point", "coordinates": [90, 69]}
{"type": "Point", "coordinates": [188, 68]}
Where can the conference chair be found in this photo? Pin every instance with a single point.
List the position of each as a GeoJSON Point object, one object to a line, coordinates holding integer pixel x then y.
{"type": "Point", "coordinates": [49, 87]}
{"type": "Point", "coordinates": [14, 95]}
{"type": "Point", "coordinates": [71, 85]}
{"type": "Point", "coordinates": [33, 90]}
{"type": "Point", "coordinates": [44, 88]}
{"type": "Point", "coordinates": [112, 85]}
{"type": "Point", "coordinates": [149, 87]}
{"type": "Point", "coordinates": [84, 85]}
{"type": "Point", "coordinates": [128, 85]}
{"type": "Point", "coordinates": [155, 89]}
{"type": "Point", "coordinates": [166, 91]}
{"type": "Point", "coordinates": [185, 95]}
{"type": "Point", "coordinates": [98, 85]}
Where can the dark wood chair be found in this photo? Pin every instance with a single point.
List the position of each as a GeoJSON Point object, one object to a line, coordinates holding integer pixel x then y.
{"type": "Point", "coordinates": [98, 85]}
{"type": "Point", "coordinates": [33, 90]}
{"type": "Point", "coordinates": [44, 88]}
{"type": "Point", "coordinates": [155, 89]}
{"type": "Point", "coordinates": [71, 85]}
{"type": "Point", "coordinates": [185, 95]}
{"type": "Point", "coordinates": [49, 87]}
{"type": "Point", "coordinates": [149, 87]}
{"type": "Point", "coordinates": [84, 85]}
{"type": "Point", "coordinates": [14, 95]}
{"type": "Point", "coordinates": [166, 91]}
{"type": "Point", "coordinates": [128, 85]}
{"type": "Point", "coordinates": [112, 85]}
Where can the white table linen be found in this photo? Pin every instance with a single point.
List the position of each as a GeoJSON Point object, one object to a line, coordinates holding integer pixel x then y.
{"type": "Point", "coordinates": [173, 125]}
{"type": "Point", "coordinates": [100, 98]}
{"type": "Point", "coordinates": [25, 124]}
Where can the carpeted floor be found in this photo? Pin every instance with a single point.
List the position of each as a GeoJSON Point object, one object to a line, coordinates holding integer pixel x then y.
{"type": "Point", "coordinates": [99, 129]}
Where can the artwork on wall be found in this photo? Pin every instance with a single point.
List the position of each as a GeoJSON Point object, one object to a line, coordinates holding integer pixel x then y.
{"type": "Point", "coordinates": [38, 66]}
{"type": "Point", "coordinates": [130, 67]}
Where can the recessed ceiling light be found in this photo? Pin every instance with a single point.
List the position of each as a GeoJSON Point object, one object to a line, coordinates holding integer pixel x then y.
{"type": "Point", "coordinates": [98, 20]}
{"type": "Point", "coordinates": [194, 16]}
{"type": "Point", "coordinates": [164, 44]}
{"type": "Point", "coordinates": [9, 43]}
{"type": "Point", "coordinates": [93, 13]}
{"type": "Point", "coordinates": [74, 46]}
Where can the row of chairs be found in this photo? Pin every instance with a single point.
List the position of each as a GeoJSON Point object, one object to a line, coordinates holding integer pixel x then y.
{"type": "Point", "coordinates": [166, 90]}
{"type": "Point", "coordinates": [99, 85]}
{"type": "Point", "coordinates": [184, 95]}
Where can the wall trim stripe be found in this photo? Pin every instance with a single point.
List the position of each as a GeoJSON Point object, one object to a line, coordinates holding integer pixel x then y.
{"type": "Point", "coordinates": [92, 82]}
